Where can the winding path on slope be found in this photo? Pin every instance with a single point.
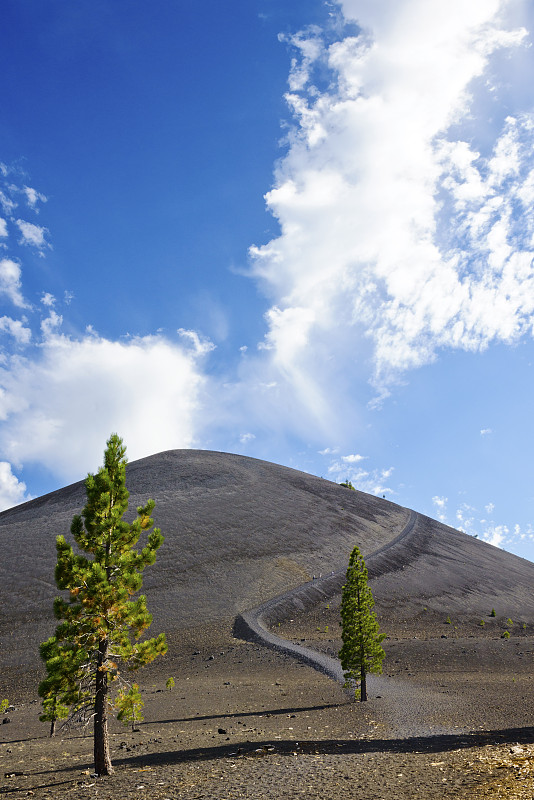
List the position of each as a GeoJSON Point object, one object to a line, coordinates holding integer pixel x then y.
{"type": "Point", "coordinates": [411, 711]}
{"type": "Point", "coordinates": [254, 625]}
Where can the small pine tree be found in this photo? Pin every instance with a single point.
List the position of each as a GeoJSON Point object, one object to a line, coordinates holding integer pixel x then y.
{"type": "Point", "coordinates": [361, 652]}
{"type": "Point", "coordinates": [100, 625]}
{"type": "Point", "coordinates": [60, 684]}
{"type": "Point", "coordinates": [347, 484]}
{"type": "Point", "coordinates": [129, 704]}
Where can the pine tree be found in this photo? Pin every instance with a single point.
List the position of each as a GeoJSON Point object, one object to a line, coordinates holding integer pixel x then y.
{"type": "Point", "coordinates": [100, 625]}
{"type": "Point", "coordinates": [361, 652]}
{"type": "Point", "coordinates": [129, 704]}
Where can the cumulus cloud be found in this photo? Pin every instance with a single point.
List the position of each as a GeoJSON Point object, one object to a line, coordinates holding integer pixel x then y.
{"type": "Point", "coordinates": [34, 235]}
{"type": "Point", "coordinates": [496, 535]}
{"type": "Point", "coordinates": [33, 196]}
{"type": "Point", "coordinates": [371, 481]}
{"type": "Point", "coordinates": [48, 299]}
{"type": "Point", "coordinates": [10, 283]}
{"type": "Point", "coordinates": [398, 237]}
{"type": "Point", "coordinates": [12, 491]}
{"type": "Point", "coordinates": [470, 520]}
{"type": "Point", "coordinates": [59, 407]}
{"type": "Point", "coordinates": [16, 328]}
{"type": "Point", "coordinates": [440, 504]}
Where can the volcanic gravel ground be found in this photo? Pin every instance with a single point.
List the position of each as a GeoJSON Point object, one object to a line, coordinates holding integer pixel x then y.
{"type": "Point", "coordinates": [246, 722]}
{"type": "Point", "coordinates": [451, 717]}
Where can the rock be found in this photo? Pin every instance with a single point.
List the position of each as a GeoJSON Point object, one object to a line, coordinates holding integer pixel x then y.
{"type": "Point", "coordinates": [221, 731]}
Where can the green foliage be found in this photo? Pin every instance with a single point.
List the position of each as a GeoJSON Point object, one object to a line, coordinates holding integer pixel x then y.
{"type": "Point", "coordinates": [129, 704]}
{"type": "Point", "coordinates": [100, 625]}
{"type": "Point", "coordinates": [509, 622]}
{"type": "Point", "coordinates": [493, 613]}
{"type": "Point", "coordinates": [505, 635]}
{"type": "Point", "coordinates": [4, 705]}
{"type": "Point", "coordinates": [170, 683]}
{"type": "Point", "coordinates": [481, 623]}
{"type": "Point", "coordinates": [448, 621]}
{"type": "Point", "coordinates": [361, 652]}
{"type": "Point", "coordinates": [348, 485]}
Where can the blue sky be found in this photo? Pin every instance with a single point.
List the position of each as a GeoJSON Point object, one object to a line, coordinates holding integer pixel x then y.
{"type": "Point", "coordinates": [299, 231]}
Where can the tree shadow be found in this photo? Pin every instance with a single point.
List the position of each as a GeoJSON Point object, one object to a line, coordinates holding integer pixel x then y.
{"type": "Point", "coordinates": [263, 713]}
{"type": "Point", "coordinates": [416, 744]}
{"type": "Point", "coordinates": [440, 743]}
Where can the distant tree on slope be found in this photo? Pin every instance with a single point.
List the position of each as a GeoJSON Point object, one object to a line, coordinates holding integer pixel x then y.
{"type": "Point", "coordinates": [348, 485]}
{"type": "Point", "coordinates": [100, 625]}
{"type": "Point", "coordinates": [361, 652]}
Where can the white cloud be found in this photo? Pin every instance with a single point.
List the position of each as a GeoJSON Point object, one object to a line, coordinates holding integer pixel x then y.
{"type": "Point", "coordinates": [353, 458]}
{"type": "Point", "coordinates": [398, 237]}
{"type": "Point", "coordinates": [489, 508]}
{"type": "Point", "coordinates": [48, 299]}
{"type": "Point", "coordinates": [59, 407]}
{"type": "Point", "coordinates": [3, 228]}
{"type": "Point", "coordinates": [8, 205]}
{"type": "Point", "coordinates": [16, 329]}
{"type": "Point", "coordinates": [10, 284]}
{"type": "Point", "coordinates": [200, 345]}
{"type": "Point", "coordinates": [485, 431]}
{"type": "Point", "coordinates": [51, 323]}
{"type": "Point", "coordinates": [441, 507]}
{"type": "Point", "coordinates": [371, 481]}
{"type": "Point", "coordinates": [496, 535]}
{"type": "Point", "coordinates": [33, 235]}
{"type": "Point", "coordinates": [12, 491]}
{"type": "Point", "coordinates": [33, 196]}
{"type": "Point", "coordinates": [246, 437]}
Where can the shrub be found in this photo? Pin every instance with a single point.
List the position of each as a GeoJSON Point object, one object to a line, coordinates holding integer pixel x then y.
{"type": "Point", "coordinates": [493, 614]}
{"type": "Point", "coordinates": [505, 635]}
{"type": "Point", "coordinates": [170, 683]}
{"type": "Point", "coordinates": [4, 705]}
{"type": "Point", "coordinates": [509, 622]}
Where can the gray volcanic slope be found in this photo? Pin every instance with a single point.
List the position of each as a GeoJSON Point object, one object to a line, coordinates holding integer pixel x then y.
{"type": "Point", "coordinates": [237, 531]}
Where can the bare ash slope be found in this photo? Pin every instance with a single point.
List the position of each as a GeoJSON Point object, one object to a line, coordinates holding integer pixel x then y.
{"type": "Point", "coordinates": [237, 531]}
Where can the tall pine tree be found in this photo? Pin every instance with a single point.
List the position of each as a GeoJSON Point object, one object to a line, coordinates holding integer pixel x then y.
{"type": "Point", "coordinates": [361, 652]}
{"type": "Point", "coordinates": [100, 624]}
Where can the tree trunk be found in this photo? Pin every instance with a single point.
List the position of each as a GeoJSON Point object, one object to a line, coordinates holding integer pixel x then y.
{"type": "Point", "coordinates": [52, 727]}
{"type": "Point", "coordinates": [363, 687]}
{"type": "Point", "coordinates": [101, 738]}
